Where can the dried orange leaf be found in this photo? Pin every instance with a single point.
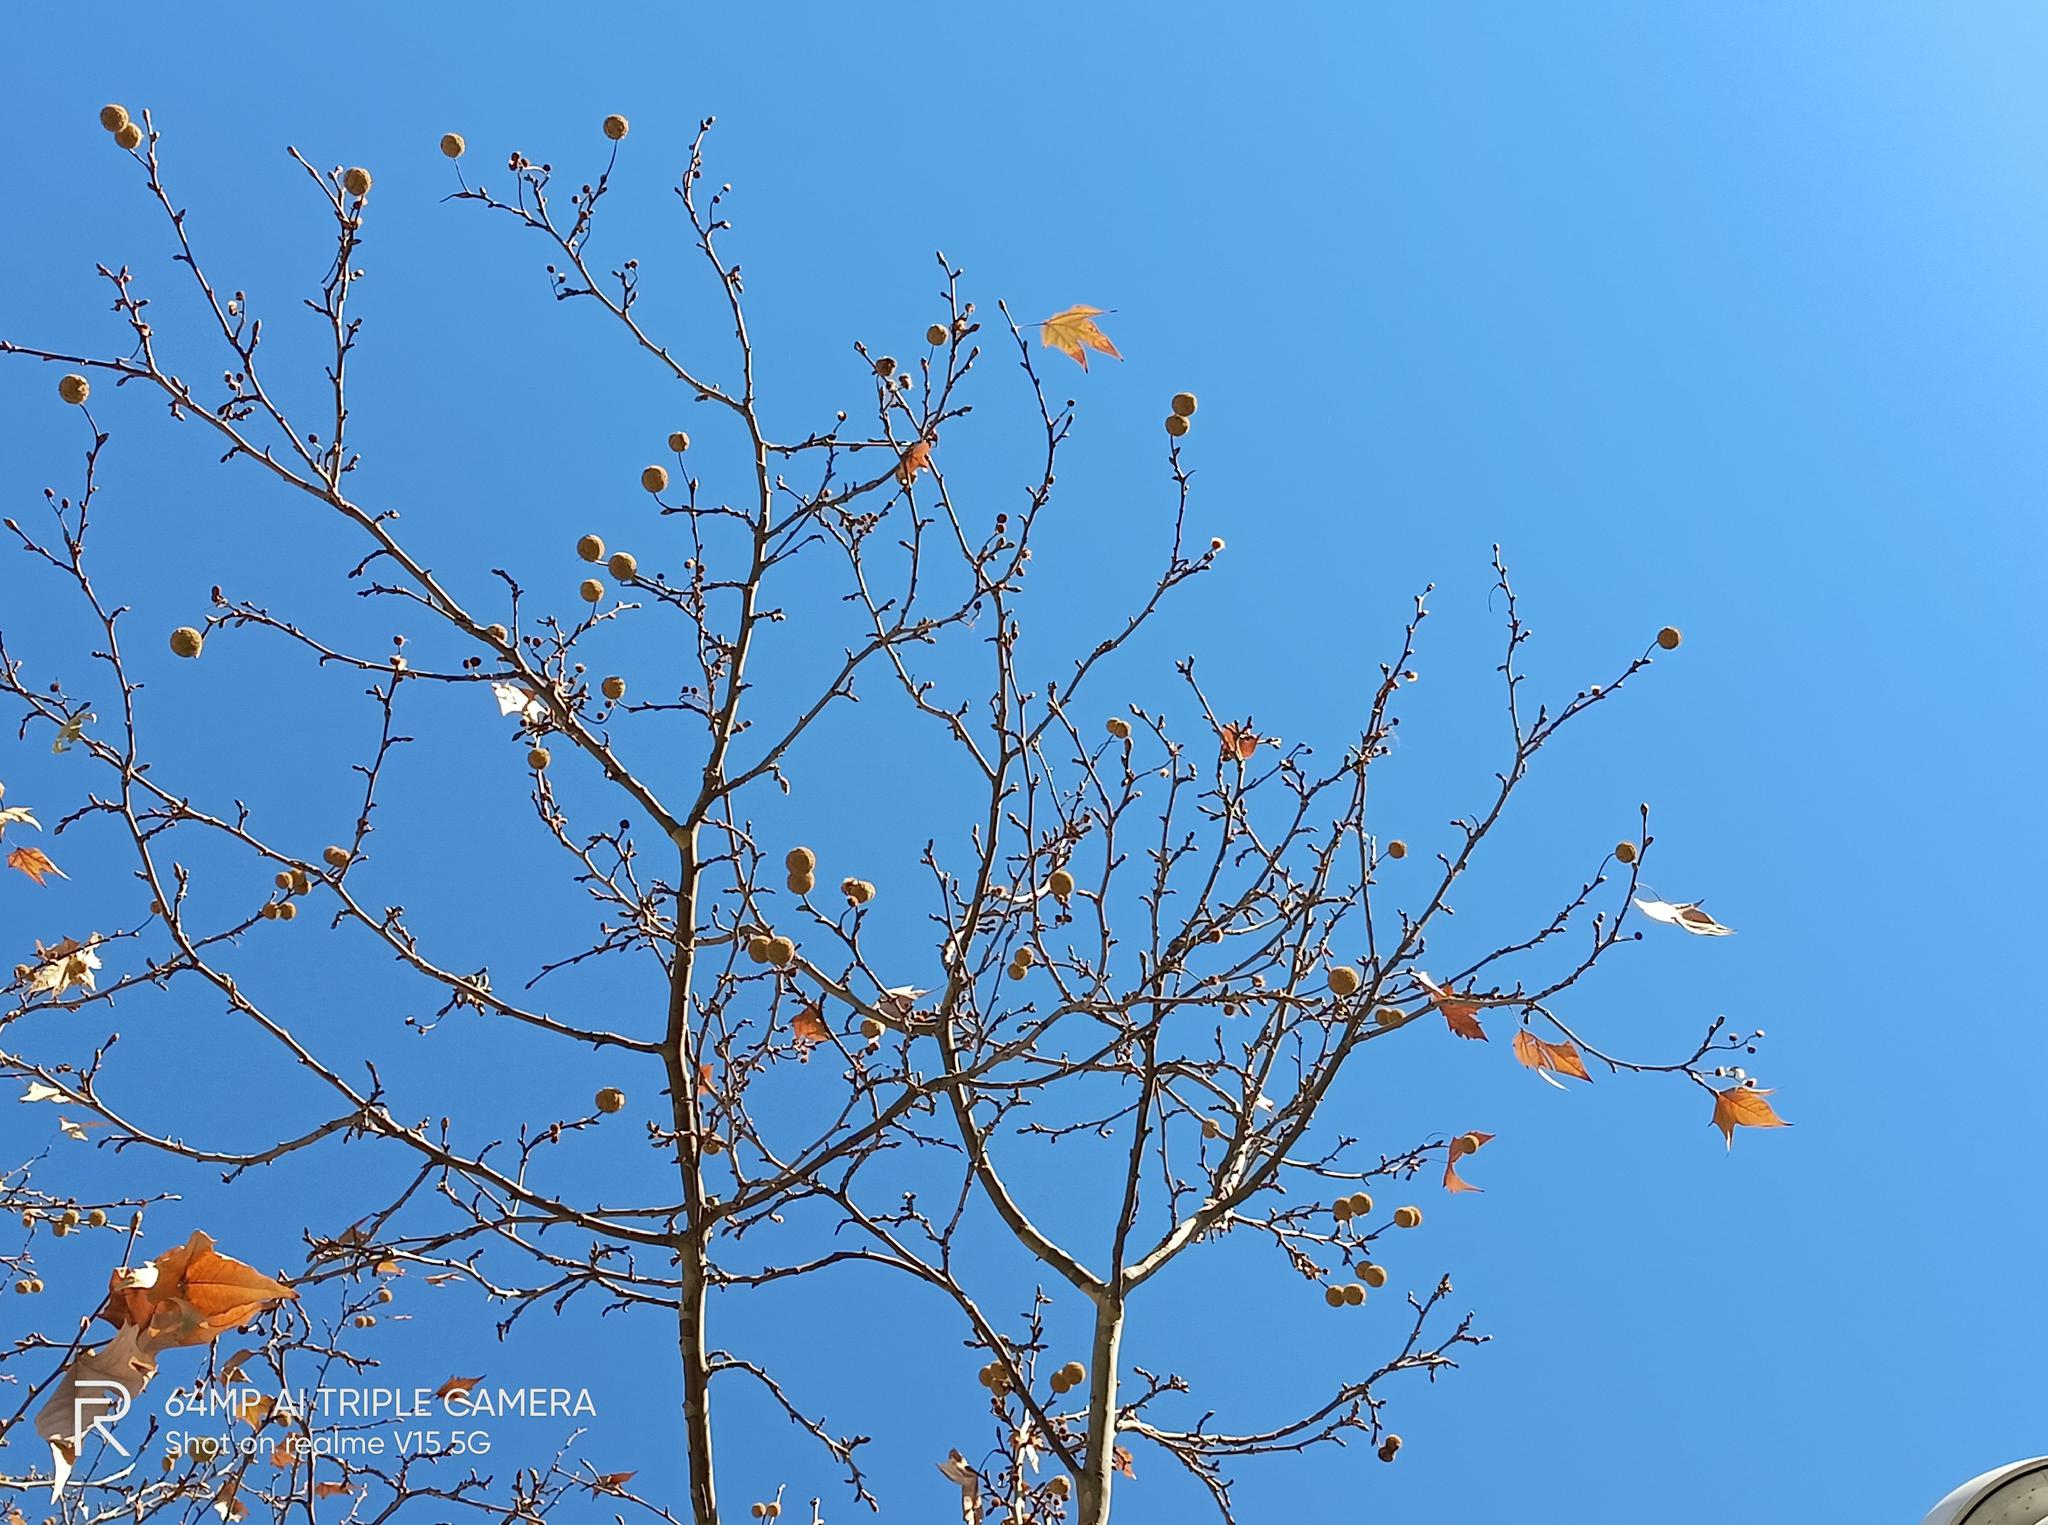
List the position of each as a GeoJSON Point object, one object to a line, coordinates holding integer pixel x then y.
{"type": "Point", "coordinates": [1548, 1059]}
{"type": "Point", "coordinates": [1240, 742]}
{"type": "Point", "coordinates": [1462, 1145]}
{"type": "Point", "coordinates": [808, 1026]}
{"type": "Point", "coordinates": [1121, 1456]}
{"type": "Point", "coordinates": [917, 458]}
{"type": "Point", "coordinates": [456, 1387]}
{"type": "Point", "coordinates": [611, 1482]}
{"type": "Point", "coordinates": [1461, 1013]}
{"type": "Point", "coordinates": [1744, 1106]}
{"type": "Point", "coordinates": [191, 1295]}
{"type": "Point", "coordinates": [1074, 332]}
{"type": "Point", "coordinates": [34, 862]}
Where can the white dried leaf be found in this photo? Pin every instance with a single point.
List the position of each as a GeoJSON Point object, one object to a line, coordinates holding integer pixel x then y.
{"type": "Point", "coordinates": [96, 1390]}
{"type": "Point", "coordinates": [1685, 914]}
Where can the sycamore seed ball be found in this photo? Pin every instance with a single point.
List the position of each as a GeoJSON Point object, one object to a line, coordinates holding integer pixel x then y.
{"type": "Point", "coordinates": [1061, 883]}
{"type": "Point", "coordinates": [1344, 980]}
{"type": "Point", "coordinates": [1119, 727]}
{"type": "Point", "coordinates": [1669, 638]}
{"type": "Point", "coordinates": [113, 118]}
{"type": "Point", "coordinates": [386, 1295]}
{"type": "Point", "coordinates": [870, 1028]}
{"type": "Point", "coordinates": [1184, 404]}
{"type": "Point", "coordinates": [802, 884]}
{"type": "Point", "coordinates": [1354, 1294]}
{"type": "Point", "coordinates": [538, 759]}
{"type": "Point", "coordinates": [613, 688]}
{"type": "Point", "coordinates": [655, 478]}
{"type": "Point", "coordinates": [1407, 1217]}
{"type": "Point", "coordinates": [591, 590]}
{"type": "Point", "coordinates": [800, 860]}
{"type": "Point", "coordinates": [187, 642]}
{"type": "Point", "coordinates": [1361, 1204]}
{"type": "Point", "coordinates": [129, 137]}
{"type": "Point", "coordinates": [679, 442]}
{"type": "Point", "coordinates": [1625, 852]}
{"type": "Point", "coordinates": [1388, 1016]}
{"type": "Point", "coordinates": [97, 1217]}
{"type": "Point", "coordinates": [611, 1099]}
{"type": "Point", "coordinates": [622, 566]}
{"type": "Point", "coordinates": [1341, 1209]}
{"type": "Point", "coordinates": [74, 389]}
{"type": "Point", "coordinates": [616, 127]}
{"type": "Point", "coordinates": [758, 948]}
{"type": "Point", "coordinates": [1373, 1276]}
{"type": "Point", "coordinates": [1075, 1373]}
{"type": "Point", "coordinates": [336, 857]}
{"type": "Point", "coordinates": [453, 145]}
{"type": "Point", "coordinates": [859, 891]}
{"type": "Point", "coordinates": [780, 951]}
{"type": "Point", "coordinates": [936, 334]}
{"type": "Point", "coordinates": [1176, 425]}
{"type": "Point", "coordinates": [590, 548]}
{"type": "Point", "coordinates": [356, 182]}
{"type": "Point", "coordinates": [1397, 848]}
{"type": "Point", "coordinates": [287, 911]}
{"type": "Point", "coordinates": [1390, 1448]}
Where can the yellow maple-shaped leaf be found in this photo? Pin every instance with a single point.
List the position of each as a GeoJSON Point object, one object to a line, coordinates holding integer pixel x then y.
{"type": "Point", "coordinates": [1743, 1106]}
{"type": "Point", "coordinates": [1074, 333]}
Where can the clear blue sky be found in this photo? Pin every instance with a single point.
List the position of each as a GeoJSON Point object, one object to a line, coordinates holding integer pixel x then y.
{"type": "Point", "coordinates": [1725, 316]}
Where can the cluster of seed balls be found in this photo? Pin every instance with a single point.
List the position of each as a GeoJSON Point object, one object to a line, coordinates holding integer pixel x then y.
{"type": "Point", "coordinates": [1345, 1210]}
{"type": "Point", "coordinates": [1180, 420]}
{"type": "Point", "coordinates": [996, 1377]}
{"type": "Point", "coordinates": [127, 134]}
{"type": "Point", "coordinates": [61, 1224]}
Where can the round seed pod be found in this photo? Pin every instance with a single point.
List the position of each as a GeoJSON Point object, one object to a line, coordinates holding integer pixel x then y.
{"type": "Point", "coordinates": [1118, 727]}
{"type": "Point", "coordinates": [74, 388]}
{"type": "Point", "coordinates": [611, 1099]}
{"type": "Point", "coordinates": [800, 860]}
{"type": "Point", "coordinates": [129, 137]}
{"type": "Point", "coordinates": [1397, 848]}
{"type": "Point", "coordinates": [1361, 1204]}
{"type": "Point", "coordinates": [113, 118]}
{"type": "Point", "coordinates": [655, 478]}
{"type": "Point", "coordinates": [1407, 1217]}
{"type": "Point", "coordinates": [613, 688]}
{"type": "Point", "coordinates": [452, 145]}
{"type": "Point", "coordinates": [1176, 425]}
{"type": "Point", "coordinates": [1061, 883]}
{"type": "Point", "coordinates": [1354, 1295]}
{"type": "Point", "coordinates": [187, 642]}
{"type": "Point", "coordinates": [758, 948]}
{"type": "Point", "coordinates": [590, 548]}
{"type": "Point", "coordinates": [780, 951]}
{"type": "Point", "coordinates": [1669, 638]}
{"type": "Point", "coordinates": [1184, 404]}
{"type": "Point", "coordinates": [679, 442]}
{"type": "Point", "coordinates": [1344, 981]}
{"type": "Point", "coordinates": [538, 759]}
{"type": "Point", "coordinates": [590, 590]}
{"type": "Point", "coordinates": [1624, 852]}
{"type": "Point", "coordinates": [802, 884]}
{"type": "Point", "coordinates": [335, 857]}
{"type": "Point", "coordinates": [616, 127]}
{"type": "Point", "coordinates": [1075, 1373]}
{"type": "Point", "coordinates": [622, 566]}
{"type": "Point", "coordinates": [870, 1028]}
{"type": "Point", "coordinates": [1373, 1275]}
{"type": "Point", "coordinates": [935, 335]}
{"type": "Point", "coordinates": [356, 182]}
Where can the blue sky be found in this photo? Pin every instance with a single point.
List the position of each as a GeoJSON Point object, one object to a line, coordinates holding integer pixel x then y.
{"type": "Point", "coordinates": [1728, 317]}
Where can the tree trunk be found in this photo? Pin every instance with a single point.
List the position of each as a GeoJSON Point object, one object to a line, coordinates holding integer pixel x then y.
{"type": "Point", "coordinates": [1099, 1465]}
{"type": "Point", "coordinates": [681, 1062]}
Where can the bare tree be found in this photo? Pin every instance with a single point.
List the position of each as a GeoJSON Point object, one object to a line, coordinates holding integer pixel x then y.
{"type": "Point", "coordinates": [1150, 958]}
